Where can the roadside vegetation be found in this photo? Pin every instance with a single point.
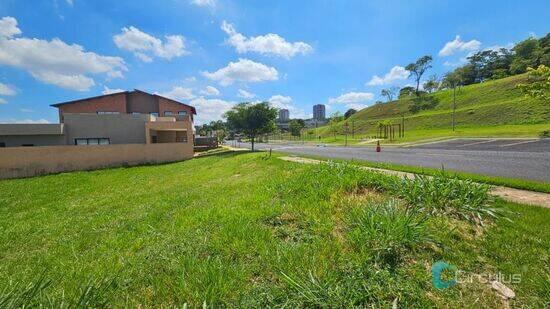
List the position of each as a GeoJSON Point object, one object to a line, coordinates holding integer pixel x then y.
{"type": "Point", "coordinates": [530, 185]}
{"type": "Point", "coordinates": [250, 230]}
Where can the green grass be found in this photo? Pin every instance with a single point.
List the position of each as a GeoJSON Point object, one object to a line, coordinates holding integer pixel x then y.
{"type": "Point", "coordinates": [493, 108]}
{"type": "Point", "coordinates": [242, 229]}
{"type": "Point", "coordinates": [492, 180]}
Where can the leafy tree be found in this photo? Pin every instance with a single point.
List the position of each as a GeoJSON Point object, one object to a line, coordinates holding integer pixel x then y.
{"type": "Point", "coordinates": [418, 68]}
{"type": "Point", "coordinates": [334, 119]}
{"type": "Point", "coordinates": [389, 93]}
{"type": "Point", "coordinates": [453, 80]}
{"type": "Point", "coordinates": [406, 91]}
{"type": "Point", "coordinates": [252, 119]}
{"type": "Point", "coordinates": [431, 84]}
{"type": "Point", "coordinates": [528, 53]}
{"type": "Point", "coordinates": [349, 112]}
{"type": "Point", "coordinates": [539, 83]}
{"type": "Point", "coordinates": [296, 126]}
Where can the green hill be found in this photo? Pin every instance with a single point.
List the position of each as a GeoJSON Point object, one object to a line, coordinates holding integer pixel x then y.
{"type": "Point", "coordinates": [493, 108]}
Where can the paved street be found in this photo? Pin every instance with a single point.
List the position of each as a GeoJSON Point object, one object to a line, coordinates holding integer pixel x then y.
{"type": "Point", "coordinates": [519, 158]}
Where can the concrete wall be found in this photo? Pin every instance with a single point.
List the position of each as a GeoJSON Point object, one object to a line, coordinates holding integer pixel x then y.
{"type": "Point", "coordinates": [36, 140]}
{"type": "Point", "coordinates": [17, 162]}
{"type": "Point", "coordinates": [119, 128]}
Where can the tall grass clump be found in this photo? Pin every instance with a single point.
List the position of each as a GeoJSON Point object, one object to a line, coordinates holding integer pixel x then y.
{"type": "Point", "coordinates": [386, 231]}
{"type": "Point", "coordinates": [318, 181]}
{"type": "Point", "coordinates": [444, 194]}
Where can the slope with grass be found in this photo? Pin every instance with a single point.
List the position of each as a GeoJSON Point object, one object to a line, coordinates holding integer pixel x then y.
{"type": "Point", "coordinates": [492, 108]}
{"type": "Point", "coordinates": [249, 230]}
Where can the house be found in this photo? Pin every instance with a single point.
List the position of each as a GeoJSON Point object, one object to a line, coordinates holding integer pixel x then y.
{"type": "Point", "coordinates": [129, 117]}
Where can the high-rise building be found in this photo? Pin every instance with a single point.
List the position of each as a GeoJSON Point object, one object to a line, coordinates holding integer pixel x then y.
{"type": "Point", "coordinates": [319, 112]}
{"type": "Point", "coordinates": [284, 115]}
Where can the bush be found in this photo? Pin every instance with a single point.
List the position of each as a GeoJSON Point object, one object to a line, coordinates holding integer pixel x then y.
{"type": "Point", "coordinates": [545, 134]}
{"type": "Point", "coordinates": [387, 231]}
{"type": "Point", "coordinates": [447, 195]}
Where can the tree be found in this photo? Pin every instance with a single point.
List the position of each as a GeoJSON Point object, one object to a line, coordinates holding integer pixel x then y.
{"type": "Point", "coordinates": [406, 91]}
{"type": "Point", "coordinates": [453, 80]}
{"type": "Point", "coordinates": [350, 112]}
{"type": "Point", "coordinates": [418, 68]}
{"type": "Point", "coordinates": [539, 83]}
{"type": "Point", "coordinates": [252, 119]}
{"type": "Point", "coordinates": [296, 126]}
{"type": "Point", "coordinates": [389, 93]}
{"type": "Point", "coordinates": [431, 84]}
{"type": "Point", "coordinates": [334, 119]}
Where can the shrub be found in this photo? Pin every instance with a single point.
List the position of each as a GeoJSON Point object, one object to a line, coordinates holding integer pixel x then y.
{"type": "Point", "coordinates": [386, 231]}
{"type": "Point", "coordinates": [447, 195]}
{"type": "Point", "coordinates": [545, 134]}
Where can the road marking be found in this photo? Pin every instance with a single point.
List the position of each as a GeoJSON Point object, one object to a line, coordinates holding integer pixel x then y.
{"type": "Point", "coordinates": [519, 143]}
{"type": "Point", "coordinates": [477, 143]}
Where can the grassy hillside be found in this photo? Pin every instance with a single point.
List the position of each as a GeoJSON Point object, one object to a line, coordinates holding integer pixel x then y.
{"type": "Point", "coordinates": [495, 108]}
{"type": "Point", "coordinates": [245, 230]}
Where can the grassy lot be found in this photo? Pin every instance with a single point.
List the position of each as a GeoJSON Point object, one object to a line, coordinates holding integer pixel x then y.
{"type": "Point", "coordinates": [242, 229]}
{"type": "Point", "coordinates": [490, 109]}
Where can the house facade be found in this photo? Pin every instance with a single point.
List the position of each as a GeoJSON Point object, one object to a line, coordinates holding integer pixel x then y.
{"type": "Point", "coordinates": [130, 117]}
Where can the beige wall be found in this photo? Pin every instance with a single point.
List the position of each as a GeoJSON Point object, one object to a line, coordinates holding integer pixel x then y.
{"type": "Point", "coordinates": [19, 162]}
{"type": "Point", "coordinates": [119, 128]}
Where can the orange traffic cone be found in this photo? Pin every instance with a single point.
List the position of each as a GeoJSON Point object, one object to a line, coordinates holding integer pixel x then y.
{"type": "Point", "coordinates": [378, 149]}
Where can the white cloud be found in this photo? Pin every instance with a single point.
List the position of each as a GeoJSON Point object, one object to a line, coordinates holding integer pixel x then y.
{"type": "Point", "coordinates": [458, 45]}
{"type": "Point", "coordinates": [179, 94]}
{"type": "Point", "coordinates": [145, 46]}
{"type": "Point", "coordinates": [8, 27]}
{"type": "Point", "coordinates": [55, 62]}
{"type": "Point", "coordinates": [357, 106]}
{"type": "Point", "coordinates": [210, 109]}
{"type": "Point", "coordinates": [245, 94]}
{"type": "Point", "coordinates": [269, 44]}
{"type": "Point", "coordinates": [396, 73]}
{"type": "Point", "coordinates": [2, 101]}
{"type": "Point", "coordinates": [207, 3]}
{"type": "Point", "coordinates": [7, 90]}
{"type": "Point", "coordinates": [281, 101]}
{"type": "Point", "coordinates": [107, 90]}
{"type": "Point", "coordinates": [26, 110]}
{"type": "Point", "coordinates": [70, 2]}
{"type": "Point", "coordinates": [244, 71]}
{"type": "Point", "coordinates": [27, 121]}
{"type": "Point", "coordinates": [209, 90]}
{"type": "Point", "coordinates": [352, 98]}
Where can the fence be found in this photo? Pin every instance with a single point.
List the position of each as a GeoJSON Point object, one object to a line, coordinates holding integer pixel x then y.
{"type": "Point", "coordinates": [16, 162]}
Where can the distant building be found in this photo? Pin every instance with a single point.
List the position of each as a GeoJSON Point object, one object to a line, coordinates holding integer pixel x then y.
{"type": "Point", "coordinates": [319, 112]}
{"type": "Point", "coordinates": [284, 115]}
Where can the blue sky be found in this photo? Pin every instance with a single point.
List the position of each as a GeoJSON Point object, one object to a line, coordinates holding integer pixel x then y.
{"type": "Point", "coordinates": [215, 53]}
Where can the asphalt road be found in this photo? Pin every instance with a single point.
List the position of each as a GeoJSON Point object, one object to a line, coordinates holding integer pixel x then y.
{"type": "Point", "coordinates": [520, 158]}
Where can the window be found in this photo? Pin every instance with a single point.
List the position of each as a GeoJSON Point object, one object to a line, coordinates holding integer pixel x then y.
{"type": "Point", "coordinates": [168, 113]}
{"type": "Point", "coordinates": [155, 114]}
{"type": "Point", "coordinates": [182, 113]}
{"type": "Point", "coordinates": [2, 145]}
{"type": "Point", "coordinates": [91, 141]}
{"type": "Point", "coordinates": [136, 113]}
{"type": "Point", "coordinates": [107, 113]}
{"type": "Point", "coordinates": [27, 145]}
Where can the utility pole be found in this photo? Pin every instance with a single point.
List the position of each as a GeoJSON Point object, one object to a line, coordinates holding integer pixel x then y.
{"type": "Point", "coordinates": [454, 106]}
